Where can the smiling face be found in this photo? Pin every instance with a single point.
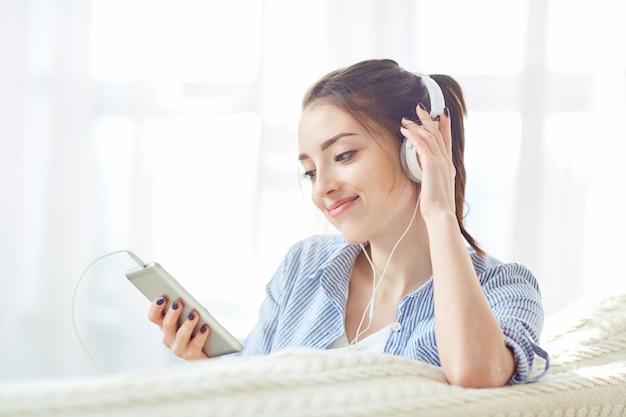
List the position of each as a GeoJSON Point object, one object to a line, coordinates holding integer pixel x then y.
{"type": "Point", "coordinates": [357, 181]}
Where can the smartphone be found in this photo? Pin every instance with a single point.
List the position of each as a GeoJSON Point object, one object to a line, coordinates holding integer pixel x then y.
{"type": "Point", "coordinates": [154, 281]}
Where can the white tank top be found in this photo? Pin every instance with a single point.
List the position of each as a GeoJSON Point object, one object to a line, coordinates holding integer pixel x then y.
{"type": "Point", "coordinates": [375, 342]}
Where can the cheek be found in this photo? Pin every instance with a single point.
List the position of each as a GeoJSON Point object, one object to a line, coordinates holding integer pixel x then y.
{"type": "Point", "coordinates": [317, 201]}
{"type": "Point", "coordinates": [388, 176]}
{"type": "Point", "coordinates": [392, 188]}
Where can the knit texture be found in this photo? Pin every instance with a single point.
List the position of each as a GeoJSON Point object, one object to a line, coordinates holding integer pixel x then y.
{"type": "Point", "coordinates": [586, 341]}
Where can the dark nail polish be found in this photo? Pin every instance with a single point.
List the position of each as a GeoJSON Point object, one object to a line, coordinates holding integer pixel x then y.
{"type": "Point", "coordinates": [203, 329]}
{"type": "Point", "coordinates": [421, 106]}
{"type": "Point", "coordinates": [175, 305]}
{"type": "Point", "coordinates": [407, 121]}
{"type": "Point", "coordinates": [191, 316]}
{"type": "Point", "coordinates": [446, 112]}
{"type": "Point", "coordinates": [160, 301]}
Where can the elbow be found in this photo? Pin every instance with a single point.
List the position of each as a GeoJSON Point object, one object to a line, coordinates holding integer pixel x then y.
{"type": "Point", "coordinates": [478, 377]}
{"type": "Point", "coordinates": [480, 372]}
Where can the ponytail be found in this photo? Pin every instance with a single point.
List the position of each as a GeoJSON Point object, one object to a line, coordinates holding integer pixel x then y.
{"type": "Point", "coordinates": [453, 95]}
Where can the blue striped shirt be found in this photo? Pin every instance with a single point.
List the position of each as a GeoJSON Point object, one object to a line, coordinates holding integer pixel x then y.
{"type": "Point", "coordinates": [306, 298]}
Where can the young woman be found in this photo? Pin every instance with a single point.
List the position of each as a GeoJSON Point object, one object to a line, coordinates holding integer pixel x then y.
{"type": "Point", "coordinates": [404, 277]}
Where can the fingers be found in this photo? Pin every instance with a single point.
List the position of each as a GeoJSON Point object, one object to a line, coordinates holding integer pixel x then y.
{"type": "Point", "coordinates": [169, 325]}
{"type": "Point", "coordinates": [433, 129]}
{"type": "Point", "coordinates": [198, 341]}
{"type": "Point", "coordinates": [156, 311]}
{"type": "Point", "coordinates": [433, 145]}
{"type": "Point", "coordinates": [180, 339]}
{"type": "Point", "coordinates": [187, 345]}
{"type": "Point", "coordinates": [427, 137]}
{"type": "Point", "coordinates": [445, 127]}
{"type": "Point", "coordinates": [420, 133]}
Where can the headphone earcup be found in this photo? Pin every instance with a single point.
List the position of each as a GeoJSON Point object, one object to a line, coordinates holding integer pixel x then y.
{"type": "Point", "coordinates": [410, 161]}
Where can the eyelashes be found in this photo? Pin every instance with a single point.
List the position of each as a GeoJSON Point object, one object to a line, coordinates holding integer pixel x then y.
{"type": "Point", "coordinates": [308, 175]}
{"type": "Point", "coordinates": [343, 157]}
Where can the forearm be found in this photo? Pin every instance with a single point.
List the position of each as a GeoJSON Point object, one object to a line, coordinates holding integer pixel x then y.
{"type": "Point", "coordinates": [469, 338]}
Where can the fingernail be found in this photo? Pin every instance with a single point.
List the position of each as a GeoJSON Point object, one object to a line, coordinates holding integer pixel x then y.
{"type": "Point", "coordinates": [175, 305]}
{"type": "Point", "coordinates": [446, 112]}
{"type": "Point", "coordinates": [191, 316]}
{"type": "Point", "coordinates": [160, 301]}
{"type": "Point", "coordinates": [203, 329]}
{"type": "Point", "coordinates": [407, 120]}
{"type": "Point", "coordinates": [421, 106]}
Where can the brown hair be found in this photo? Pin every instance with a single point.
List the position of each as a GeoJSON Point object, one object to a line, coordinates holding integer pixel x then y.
{"type": "Point", "coordinates": [378, 93]}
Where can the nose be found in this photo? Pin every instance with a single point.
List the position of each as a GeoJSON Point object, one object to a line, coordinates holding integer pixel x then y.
{"type": "Point", "coordinates": [325, 183]}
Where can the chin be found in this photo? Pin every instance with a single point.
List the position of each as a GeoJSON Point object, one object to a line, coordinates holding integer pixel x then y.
{"type": "Point", "coordinates": [350, 231]}
{"type": "Point", "coordinates": [352, 237]}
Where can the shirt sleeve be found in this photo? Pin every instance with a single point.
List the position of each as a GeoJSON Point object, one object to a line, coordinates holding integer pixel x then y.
{"type": "Point", "coordinates": [514, 296]}
{"type": "Point", "coordinates": [260, 340]}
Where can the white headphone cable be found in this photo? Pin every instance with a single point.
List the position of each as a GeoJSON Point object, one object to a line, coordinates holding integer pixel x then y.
{"type": "Point", "coordinates": [371, 304]}
{"type": "Point", "coordinates": [82, 275]}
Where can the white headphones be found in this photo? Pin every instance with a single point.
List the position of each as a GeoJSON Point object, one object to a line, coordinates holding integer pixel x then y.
{"type": "Point", "coordinates": [408, 154]}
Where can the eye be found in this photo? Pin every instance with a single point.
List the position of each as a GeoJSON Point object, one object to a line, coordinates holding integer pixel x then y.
{"type": "Point", "coordinates": [344, 156]}
{"type": "Point", "coordinates": [309, 175]}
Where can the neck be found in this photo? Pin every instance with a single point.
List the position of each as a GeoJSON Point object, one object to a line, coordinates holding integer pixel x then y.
{"type": "Point", "coordinates": [404, 260]}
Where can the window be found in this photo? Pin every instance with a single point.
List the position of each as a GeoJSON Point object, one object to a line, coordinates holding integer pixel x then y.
{"type": "Point", "coordinates": [177, 131]}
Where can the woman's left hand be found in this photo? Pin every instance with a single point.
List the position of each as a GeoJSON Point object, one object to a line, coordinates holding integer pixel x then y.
{"type": "Point", "coordinates": [434, 148]}
{"type": "Point", "coordinates": [470, 340]}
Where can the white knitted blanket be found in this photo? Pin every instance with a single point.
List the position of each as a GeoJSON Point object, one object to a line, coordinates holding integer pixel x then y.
{"type": "Point", "coordinates": [587, 343]}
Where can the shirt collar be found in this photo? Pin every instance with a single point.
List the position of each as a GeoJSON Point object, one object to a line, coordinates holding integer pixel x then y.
{"type": "Point", "coordinates": [334, 274]}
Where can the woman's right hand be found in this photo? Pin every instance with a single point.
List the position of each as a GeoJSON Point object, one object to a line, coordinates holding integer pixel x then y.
{"type": "Point", "coordinates": [179, 339]}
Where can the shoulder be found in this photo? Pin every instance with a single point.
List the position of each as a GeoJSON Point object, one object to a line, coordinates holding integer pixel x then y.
{"type": "Point", "coordinates": [318, 248]}
{"type": "Point", "coordinates": [314, 253]}
{"type": "Point", "coordinates": [491, 270]}
{"type": "Point", "coordinates": [307, 259]}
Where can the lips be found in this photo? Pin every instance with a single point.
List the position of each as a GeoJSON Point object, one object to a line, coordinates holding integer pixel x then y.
{"type": "Point", "coordinates": [339, 206]}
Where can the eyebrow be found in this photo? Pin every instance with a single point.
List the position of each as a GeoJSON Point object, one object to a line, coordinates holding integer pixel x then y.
{"type": "Point", "coordinates": [328, 142]}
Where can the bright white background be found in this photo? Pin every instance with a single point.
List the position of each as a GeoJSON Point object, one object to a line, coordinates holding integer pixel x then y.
{"type": "Point", "coordinates": [168, 127]}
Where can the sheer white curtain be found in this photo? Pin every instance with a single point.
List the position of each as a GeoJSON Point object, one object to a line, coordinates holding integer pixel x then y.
{"type": "Point", "coordinates": [169, 128]}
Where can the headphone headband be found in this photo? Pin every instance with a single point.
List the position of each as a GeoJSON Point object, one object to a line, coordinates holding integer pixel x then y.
{"type": "Point", "coordinates": [437, 103]}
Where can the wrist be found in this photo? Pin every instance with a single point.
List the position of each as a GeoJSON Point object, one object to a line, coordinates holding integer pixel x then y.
{"type": "Point", "coordinates": [441, 221]}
